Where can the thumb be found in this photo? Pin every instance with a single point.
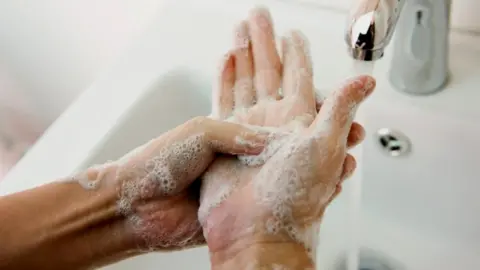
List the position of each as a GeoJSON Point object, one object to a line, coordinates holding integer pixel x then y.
{"type": "Point", "coordinates": [337, 112]}
{"type": "Point", "coordinates": [235, 139]}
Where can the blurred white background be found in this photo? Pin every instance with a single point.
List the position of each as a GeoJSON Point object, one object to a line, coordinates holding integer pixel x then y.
{"type": "Point", "coordinates": [51, 50]}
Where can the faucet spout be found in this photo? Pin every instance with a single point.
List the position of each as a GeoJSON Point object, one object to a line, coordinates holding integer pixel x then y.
{"type": "Point", "coordinates": [420, 56]}
{"type": "Point", "coordinates": [370, 27]}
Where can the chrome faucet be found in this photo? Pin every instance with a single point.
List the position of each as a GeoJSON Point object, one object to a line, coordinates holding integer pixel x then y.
{"type": "Point", "coordinates": [420, 57]}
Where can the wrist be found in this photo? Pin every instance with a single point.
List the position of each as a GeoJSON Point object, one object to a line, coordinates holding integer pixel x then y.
{"type": "Point", "coordinates": [249, 239]}
{"type": "Point", "coordinates": [104, 229]}
{"type": "Point", "coordinates": [263, 255]}
{"type": "Point", "coordinates": [110, 231]}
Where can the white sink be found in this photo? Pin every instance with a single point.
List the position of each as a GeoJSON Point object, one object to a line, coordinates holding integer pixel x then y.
{"type": "Point", "coordinates": [420, 210]}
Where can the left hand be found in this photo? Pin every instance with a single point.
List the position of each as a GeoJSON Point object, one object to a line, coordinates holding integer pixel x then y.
{"type": "Point", "coordinates": [157, 191]}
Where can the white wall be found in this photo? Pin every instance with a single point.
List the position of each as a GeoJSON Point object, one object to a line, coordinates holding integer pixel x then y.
{"type": "Point", "coordinates": [55, 48]}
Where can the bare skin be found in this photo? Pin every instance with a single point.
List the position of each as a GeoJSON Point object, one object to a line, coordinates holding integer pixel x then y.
{"type": "Point", "coordinates": [53, 220]}
{"type": "Point", "coordinates": [236, 229]}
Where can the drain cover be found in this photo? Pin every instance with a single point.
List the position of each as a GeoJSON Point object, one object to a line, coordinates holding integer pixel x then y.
{"type": "Point", "coordinates": [393, 142]}
{"type": "Point", "coordinates": [367, 263]}
{"type": "Point", "coordinates": [370, 260]}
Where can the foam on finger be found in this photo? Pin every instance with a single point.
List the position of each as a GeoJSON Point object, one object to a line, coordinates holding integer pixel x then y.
{"type": "Point", "coordinates": [222, 94]}
{"type": "Point", "coordinates": [338, 111]}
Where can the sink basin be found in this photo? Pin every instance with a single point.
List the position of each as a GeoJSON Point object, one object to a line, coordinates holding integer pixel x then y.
{"type": "Point", "coordinates": [176, 97]}
{"type": "Point", "coordinates": [418, 209]}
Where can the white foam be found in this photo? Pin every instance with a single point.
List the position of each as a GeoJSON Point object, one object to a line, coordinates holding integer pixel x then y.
{"type": "Point", "coordinates": [166, 172]}
{"type": "Point", "coordinates": [243, 91]}
{"type": "Point", "coordinates": [287, 187]}
{"type": "Point", "coordinates": [218, 182]}
{"type": "Point", "coordinates": [160, 171]}
{"type": "Point", "coordinates": [274, 142]}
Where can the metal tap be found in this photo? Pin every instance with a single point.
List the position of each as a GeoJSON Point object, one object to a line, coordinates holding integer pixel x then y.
{"type": "Point", "coordinates": [420, 56]}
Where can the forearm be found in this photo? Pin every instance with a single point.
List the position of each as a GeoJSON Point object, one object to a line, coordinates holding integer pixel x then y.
{"type": "Point", "coordinates": [62, 226]}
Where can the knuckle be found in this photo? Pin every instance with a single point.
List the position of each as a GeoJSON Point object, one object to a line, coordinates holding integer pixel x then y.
{"type": "Point", "coordinates": [342, 97]}
{"type": "Point", "coordinates": [198, 120]}
{"type": "Point", "coordinates": [335, 149]}
{"type": "Point", "coordinates": [199, 125]}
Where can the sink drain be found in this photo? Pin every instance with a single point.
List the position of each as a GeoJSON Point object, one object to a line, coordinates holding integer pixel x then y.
{"type": "Point", "coordinates": [367, 263]}
{"type": "Point", "coordinates": [393, 142]}
{"type": "Point", "coordinates": [370, 260]}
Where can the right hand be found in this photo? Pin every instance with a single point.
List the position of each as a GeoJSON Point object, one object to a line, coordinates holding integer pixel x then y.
{"type": "Point", "coordinates": [284, 198]}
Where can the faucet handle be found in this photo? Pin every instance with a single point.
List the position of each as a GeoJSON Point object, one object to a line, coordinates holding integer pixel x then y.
{"type": "Point", "coordinates": [419, 63]}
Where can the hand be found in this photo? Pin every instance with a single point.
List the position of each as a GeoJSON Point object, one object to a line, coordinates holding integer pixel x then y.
{"type": "Point", "coordinates": [156, 185]}
{"type": "Point", "coordinates": [306, 160]}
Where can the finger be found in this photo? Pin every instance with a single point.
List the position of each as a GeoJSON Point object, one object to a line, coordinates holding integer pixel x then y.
{"type": "Point", "coordinates": [266, 60]}
{"type": "Point", "coordinates": [338, 111]}
{"type": "Point", "coordinates": [357, 132]}
{"type": "Point", "coordinates": [297, 69]}
{"type": "Point", "coordinates": [235, 139]}
{"type": "Point", "coordinates": [349, 166]}
{"type": "Point", "coordinates": [356, 135]}
{"type": "Point", "coordinates": [222, 96]}
{"type": "Point", "coordinates": [244, 93]}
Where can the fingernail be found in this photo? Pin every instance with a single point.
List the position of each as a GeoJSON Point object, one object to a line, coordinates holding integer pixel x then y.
{"type": "Point", "coordinates": [359, 134]}
{"type": "Point", "coordinates": [242, 39]}
{"type": "Point", "coordinates": [356, 83]}
{"type": "Point", "coordinates": [253, 141]}
{"type": "Point", "coordinates": [369, 84]}
{"type": "Point", "coordinates": [262, 17]}
{"type": "Point", "coordinates": [264, 12]}
{"type": "Point", "coordinates": [250, 146]}
{"type": "Point", "coordinates": [261, 137]}
{"type": "Point", "coordinates": [298, 39]}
